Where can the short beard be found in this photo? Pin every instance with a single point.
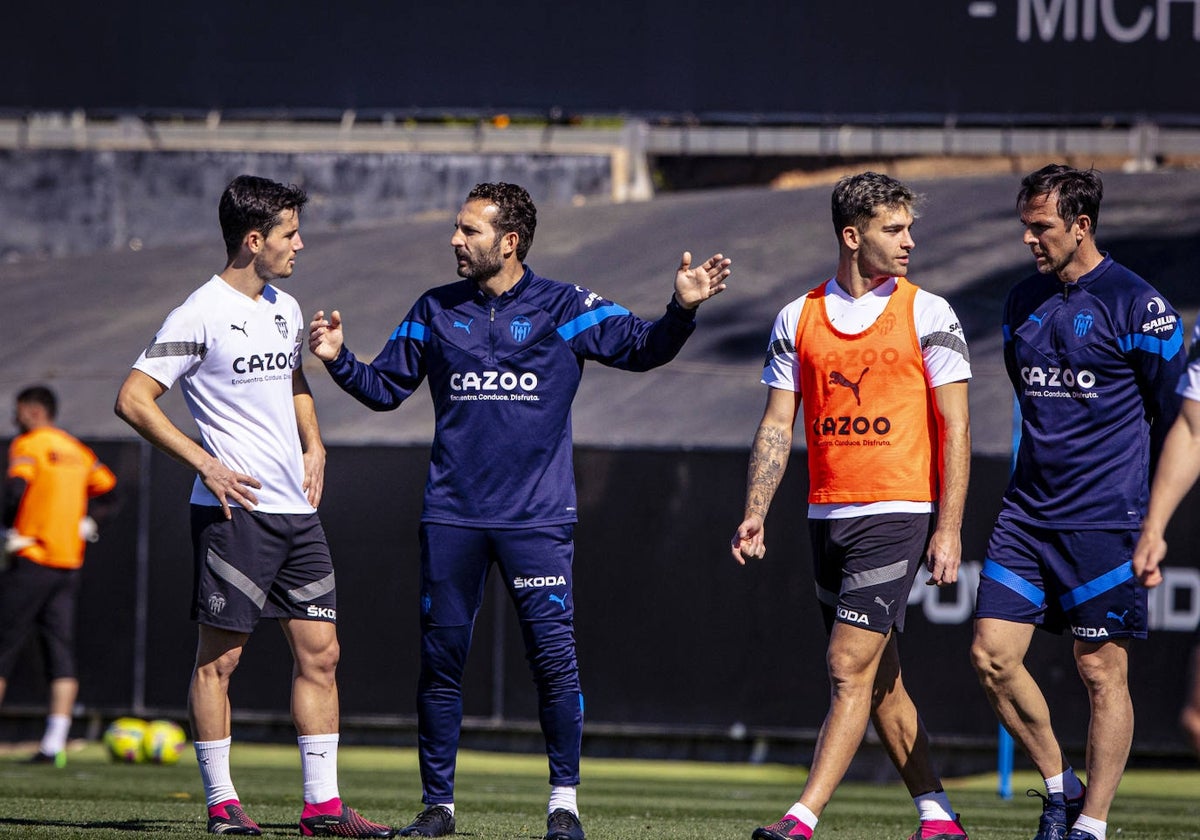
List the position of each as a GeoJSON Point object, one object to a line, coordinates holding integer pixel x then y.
{"type": "Point", "coordinates": [265, 274]}
{"type": "Point", "coordinates": [488, 267]}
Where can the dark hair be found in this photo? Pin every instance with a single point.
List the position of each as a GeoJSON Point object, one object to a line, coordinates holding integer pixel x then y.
{"type": "Point", "coordinates": [40, 395]}
{"type": "Point", "coordinates": [253, 203]}
{"type": "Point", "coordinates": [516, 213]}
{"type": "Point", "coordinates": [855, 198]}
{"type": "Point", "coordinates": [1079, 191]}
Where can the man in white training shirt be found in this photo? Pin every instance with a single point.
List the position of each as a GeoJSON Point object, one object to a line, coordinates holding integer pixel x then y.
{"type": "Point", "coordinates": [259, 549]}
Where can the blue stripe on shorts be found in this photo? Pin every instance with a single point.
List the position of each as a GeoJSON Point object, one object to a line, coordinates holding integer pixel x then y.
{"type": "Point", "coordinates": [1013, 581]}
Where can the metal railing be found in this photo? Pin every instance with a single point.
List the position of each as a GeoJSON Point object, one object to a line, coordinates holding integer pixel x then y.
{"type": "Point", "coordinates": [629, 144]}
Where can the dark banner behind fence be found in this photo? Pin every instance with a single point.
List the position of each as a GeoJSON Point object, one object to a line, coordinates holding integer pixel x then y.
{"type": "Point", "coordinates": [674, 637]}
{"type": "Point", "coordinates": [1085, 59]}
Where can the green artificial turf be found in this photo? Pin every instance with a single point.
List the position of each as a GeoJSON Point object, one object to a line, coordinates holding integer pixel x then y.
{"type": "Point", "coordinates": [504, 796]}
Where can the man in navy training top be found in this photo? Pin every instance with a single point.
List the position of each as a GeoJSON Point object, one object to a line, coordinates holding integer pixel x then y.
{"type": "Point", "coordinates": [503, 350]}
{"type": "Point", "coordinates": [1094, 353]}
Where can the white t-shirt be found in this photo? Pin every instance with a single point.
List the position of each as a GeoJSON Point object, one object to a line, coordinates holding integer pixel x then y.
{"type": "Point", "coordinates": [1189, 382]}
{"type": "Point", "coordinates": [234, 357]}
{"type": "Point", "coordinates": [943, 347]}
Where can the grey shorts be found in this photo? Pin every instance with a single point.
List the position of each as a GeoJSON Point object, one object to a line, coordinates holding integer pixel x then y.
{"type": "Point", "coordinates": [864, 567]}
{"type": "Point", "coordinates": [260, 565]}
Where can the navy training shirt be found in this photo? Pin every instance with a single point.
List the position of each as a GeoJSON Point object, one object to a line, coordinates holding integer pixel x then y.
{"type": "Point", "coordinates": [1094, 364]}
{"type": "Point", "coordinates": [503, 373]}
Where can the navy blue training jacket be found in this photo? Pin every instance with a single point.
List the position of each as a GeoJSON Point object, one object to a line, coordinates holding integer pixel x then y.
{"type": "Point", "coordinates": [503, 373]}
{"type": "Point", "coordinates": [1094, 365]}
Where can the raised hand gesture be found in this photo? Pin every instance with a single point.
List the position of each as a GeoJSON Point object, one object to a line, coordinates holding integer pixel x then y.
{"type": "Point", "coordinates": [693, 286]}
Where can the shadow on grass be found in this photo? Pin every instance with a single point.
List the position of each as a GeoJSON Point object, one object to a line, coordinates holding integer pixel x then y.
{"type": "Point", "coordinates": [148, 826]}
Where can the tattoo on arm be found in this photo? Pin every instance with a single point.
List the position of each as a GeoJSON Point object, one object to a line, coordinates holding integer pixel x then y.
{"type": "Point", "coordinates": [768, 460]}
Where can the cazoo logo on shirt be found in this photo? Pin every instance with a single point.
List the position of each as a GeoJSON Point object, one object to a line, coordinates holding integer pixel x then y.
{"type": "Point", "coordinates": [494, 380]}
{"type": "Point", "coordinates": [494, 386]}
{"type": "Point", "coordinates": [265, 362]}
{"type": "Point", "coordinates": [1054, 377]}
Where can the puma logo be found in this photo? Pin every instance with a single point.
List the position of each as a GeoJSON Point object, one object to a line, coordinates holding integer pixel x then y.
{"type": "Point", "coordinates": [461, 325]}
{"type": "Point", "coordinates": [887, 605]}
{"type": "Point", "coordinates": [1037, 319]}
{"type": "Point", "coordinates": [318, 754]}
{"type": "Point", "coordinates": [1114, 616]}
{"type": "Point", "coordinates": [241, 329]}
{"type": "Point", "coordinates": [558, 599]}
{"type": "Point", "coordinates": [836, 378]}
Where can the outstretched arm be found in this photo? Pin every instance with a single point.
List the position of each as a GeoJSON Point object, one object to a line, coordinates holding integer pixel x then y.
{"type": "Point", "coordinates": [768, 461]}
{"type": "Point", "coordinates": [388, 380]}
{"type": "Point", "coordinates": [693, 286]}
{"type": "Point", "coordinates": [137, 405]}
{"type": "Point", "coordinates": [1178, 469]}
{"type": "Point", "coordinates": [944, 554]}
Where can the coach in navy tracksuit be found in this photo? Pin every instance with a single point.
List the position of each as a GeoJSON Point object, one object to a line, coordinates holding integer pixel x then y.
{"type": "Point", "coordinates": [503, 350]}
{"type": "Point", "coordinates": [1094, 353]}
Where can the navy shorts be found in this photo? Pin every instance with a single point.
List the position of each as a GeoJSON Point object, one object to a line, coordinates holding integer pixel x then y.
{"type": "Point", "coordinates": [260, 565]}
{"type": "Point", "coordinates": [37, 597]}
{"type": "Point", "coordinates": [865, 567]}
{"type": "Point", "coordinates": [1059, 580]}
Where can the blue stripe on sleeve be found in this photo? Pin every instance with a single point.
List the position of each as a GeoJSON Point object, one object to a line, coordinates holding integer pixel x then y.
{"type": "Point", "coordinates": [589, 319]}
{"type": "Point", "coordinates": [1099, 586]}
{"type": "Point", "coordinates": [409, 329]}
{"type": "Point", "coordinates": [1140, 341]}
{"type": "Point", "coordinates": [1013, 581]}
{"type": "Point", "coordinates": [1006, 330]}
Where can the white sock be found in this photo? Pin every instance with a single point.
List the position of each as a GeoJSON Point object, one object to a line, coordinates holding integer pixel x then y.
{"type": "Point", "coordinates": [318, 761]}
{"type": "Point", "coordinates": [801, 813]}
{"type": "Point", "coordinates": [54, 739]}
{"type": "Point", "coordinates": [934, 805]}
{"type": "Point", "coordinates": [449, 806]}
{"type": "Point", "coordinates": [213, 758]}
{"type": "Point", "coordinates": [1094, 827]}
{"type": "Point", "coordinates": [562, 796]}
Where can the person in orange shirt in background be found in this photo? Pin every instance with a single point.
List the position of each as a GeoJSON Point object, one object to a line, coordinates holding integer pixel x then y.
{"type": "Point", "coordinates": [51, 477]}
{"type": "Point", "coordinates": [880, 369]}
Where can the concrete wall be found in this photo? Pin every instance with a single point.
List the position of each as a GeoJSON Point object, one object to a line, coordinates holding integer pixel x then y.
{"type": "Point", "coordinates": [56, 203]}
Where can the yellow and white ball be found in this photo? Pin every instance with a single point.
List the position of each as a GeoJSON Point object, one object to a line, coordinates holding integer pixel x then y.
{"type": "Point", "coordinates": [164, 742]}
{"type": "Point", "coordinates": [124, 738]}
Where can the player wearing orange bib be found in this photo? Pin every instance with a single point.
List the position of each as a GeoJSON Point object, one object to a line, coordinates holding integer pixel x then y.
{"type": "Point", "coordinates": [880, 369]}
{"type": "Point", "coordinates": [51, 476]}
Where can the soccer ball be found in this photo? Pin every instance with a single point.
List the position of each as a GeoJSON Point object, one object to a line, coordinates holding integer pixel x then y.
{"type": "Point", "coordinates": [164, 742]}
{"type": "Point", "coordinates": [124, 738]}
